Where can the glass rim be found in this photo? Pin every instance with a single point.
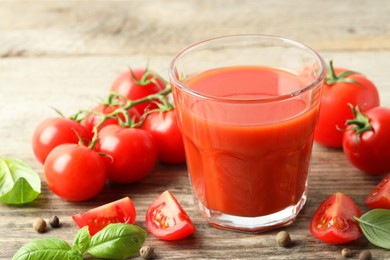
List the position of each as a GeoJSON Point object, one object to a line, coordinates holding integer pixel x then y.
{"type": "Point", "coordinates": [312, 85]}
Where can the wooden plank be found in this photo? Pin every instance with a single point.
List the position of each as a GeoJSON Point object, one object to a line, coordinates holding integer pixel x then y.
{"type": "Point", "coordinates": [150, 27]}
{"type": "Point", "coordinates": [29, 86]}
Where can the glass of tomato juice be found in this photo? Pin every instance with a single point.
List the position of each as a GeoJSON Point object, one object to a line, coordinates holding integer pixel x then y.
{"type": "Point", "coordinates": [247, 106]}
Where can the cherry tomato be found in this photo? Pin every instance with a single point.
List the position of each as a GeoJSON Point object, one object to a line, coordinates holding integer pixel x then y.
{"type": "Point", "coordinates": [379, 197]}
{"type": "Point", "coordinates": [167, 220]}
{"type": "Point", "coordinates": [93, 119]}
{"type": "Point", "coordinates": [340, 89]}
{"type": "Point", "coordinates": [367, 140]}
{"type": "Point", "coordinates": [165, 130]}
{"type": "Point", "coordinates": [55, 131]}
{"type": "Point", "coordinates": [75, 172]}
{"type": "Point", "coordinates": [136, 84]}
{"type": "Point", "coordinates": [132, 153]}
{"type": "Point", "coordinates": [120, 211]}
{"type": "Point", "coordinates": [333, 221]}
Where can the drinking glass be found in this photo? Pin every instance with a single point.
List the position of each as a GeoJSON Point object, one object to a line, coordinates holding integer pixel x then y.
{"type": "Point", "coordinates": [247, 107]}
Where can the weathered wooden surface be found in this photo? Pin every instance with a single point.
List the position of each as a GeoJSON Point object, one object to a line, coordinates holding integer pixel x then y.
{"type": "Point", "coordinates": [65, 54]}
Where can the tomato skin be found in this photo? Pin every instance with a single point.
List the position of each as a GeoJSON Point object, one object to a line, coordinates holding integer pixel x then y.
{"type": "Point", "coordinates": [370, 151]}
{"type": "Point", "coordinates": [164, 128]}
{"type": "Point", "coordinates": [74, 172]}
{"type": "Point", "coordinates": [379, 197]}
{"type": "Point", "coordinates": [335, 109]}
{"type": "Point", "coordinates": [52, 132]}
{"type": "Point", "coordinates": [119, 211]}
{"type": "Point", "coordinates": [93, 119]}
{"type": "Point", "coordinates": [167, 220]}
{"type": "Point", "coordinates": [126, 85]}
{"type": "Point", "coordinates": [132, 153]}
{"type": "Point", "coordinates": [333, 221]}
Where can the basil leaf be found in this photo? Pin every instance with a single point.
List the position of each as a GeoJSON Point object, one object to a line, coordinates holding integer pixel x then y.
{"type": "Point", "coordinates": [47, 248]}
{"type": "Point", "coordinates": [81, 240]}
{"type": "Point", "coordinates": [117, 241]}
{"type": "Point", "coordinates": [375, 225]}
{"type": "Point", "coordinates": [19, 183]}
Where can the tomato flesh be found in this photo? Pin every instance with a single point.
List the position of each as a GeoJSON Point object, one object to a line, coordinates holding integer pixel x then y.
{"type": "Point", "coordinates": [379, 197]}
{"type": "Point", "coordinates": [120, 211]}
{"type": "Point", "coordinates": [167, 220]}
{"type": "Point", "coordinates": [333, 222]}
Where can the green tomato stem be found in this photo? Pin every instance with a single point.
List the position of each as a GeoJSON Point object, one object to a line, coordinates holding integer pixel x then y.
{"type": "Point", "coordinates": [123, 109]}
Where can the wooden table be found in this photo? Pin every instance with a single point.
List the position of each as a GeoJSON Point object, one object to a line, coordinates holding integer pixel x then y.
{"type": "Point", "coordinates": [65, 54]}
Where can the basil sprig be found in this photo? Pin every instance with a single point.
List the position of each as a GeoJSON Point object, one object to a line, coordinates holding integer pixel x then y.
{"type": "Point", "coordinates": [115, 241]}
{"type": "Point", "coordinates": [375, 225]}
{"type": "Point", "coordinates": [19, 183]}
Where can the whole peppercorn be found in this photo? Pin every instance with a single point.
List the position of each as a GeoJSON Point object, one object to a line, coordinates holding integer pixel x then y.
{"type": "Point", "coordinates": [346, 252]}
{"type": "Point", "coordinates": [54, 222]}
{"type": "Point", "coordinates": [283, 239]}
{"type": "Point", "coordinates": [146, 252]}
{"type": "Point", "coordinates": [39, 225]}
{"type": "Point", "coordinates": [365, 255]}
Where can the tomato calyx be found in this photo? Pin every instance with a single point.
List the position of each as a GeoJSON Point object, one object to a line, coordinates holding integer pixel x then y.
{"type": "Point", "coordinates": [147, 78]}
{"type": "Point", "coordinates": [360, 123]}
{"type": "Point", "coordinates": [332, 78]}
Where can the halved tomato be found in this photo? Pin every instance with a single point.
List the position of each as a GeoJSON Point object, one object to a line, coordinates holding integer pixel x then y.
{"type": "Point", "coordinates": [120, 211]}
{"type": "Point", "coordinates": [167, 220]}
{"type": "Point", "coordinates": [379, 198]}
{"type": "Point", "coordinates": [334, 222]}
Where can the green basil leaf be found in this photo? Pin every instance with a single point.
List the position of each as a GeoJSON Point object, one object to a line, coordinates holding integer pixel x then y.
{"type": "Point", "coordinates": [19, 183]}
{"type": "Point", "coordinates": [375, 225]}
{"type": "Point", "coordinates": [47, 249]}
{"type": "Point", "coordinates": [117, 241]}
{"type": "Point", "coordinates": [81, 240]}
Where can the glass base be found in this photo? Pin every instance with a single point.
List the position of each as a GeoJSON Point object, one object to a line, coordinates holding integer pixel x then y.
{"type": "Point", "coordinates": [252, 224]}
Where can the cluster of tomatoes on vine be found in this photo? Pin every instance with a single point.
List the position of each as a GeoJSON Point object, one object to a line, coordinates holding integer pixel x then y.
{"type": "Point", "coordinates": [120, 139]}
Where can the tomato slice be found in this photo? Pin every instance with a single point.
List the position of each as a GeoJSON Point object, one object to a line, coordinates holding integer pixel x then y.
{"type": "Point", "coordinates": [379, 197]}
{"type": "Point", "coordinates": [333, 221]}
{"type": "Point", "coordinates": [120, 211]}
{"type": "Point", "coordinates": [167, 220]}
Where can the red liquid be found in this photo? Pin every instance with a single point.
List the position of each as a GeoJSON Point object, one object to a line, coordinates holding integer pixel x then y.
{"type": "Point", "coordinates": [247, 159]}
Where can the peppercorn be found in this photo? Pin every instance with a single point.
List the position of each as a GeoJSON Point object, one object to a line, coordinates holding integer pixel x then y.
{"type": "Point", "coordinates": [346, 252]}
{"type": "Point", "coordinates": [54, 222]}
{"type": "Point", "coordinates": [283, 239]}
{"type": "Point", "coordinates": [39, 225]}
{"type": "Point", "coordinates": [365, 255]}
{"type": "Point", "coordinates": [146, 252]}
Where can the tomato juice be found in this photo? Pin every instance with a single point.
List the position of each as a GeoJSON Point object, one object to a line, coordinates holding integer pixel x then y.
{"type": "Point", "coordinates": [248, 140]}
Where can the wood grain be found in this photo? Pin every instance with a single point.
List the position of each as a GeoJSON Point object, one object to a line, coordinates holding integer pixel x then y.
{"type": "Point", "coordinates": [157, 27]}
{"type": "Point", "coordinates": [65, 54]}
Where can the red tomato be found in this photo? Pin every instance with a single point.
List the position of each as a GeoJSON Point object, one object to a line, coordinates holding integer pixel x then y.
{"type": "Point", "coordinates": [75, 172]}
{"type": "Point", "coordinates": [379, 198]}
{"type": "Point", "coordinates": [167, 220]}
{"type": "Point", "coordinates": [367, 140]}
{"type": "Point", "coordinates": [333, 221]}
{"type": "Point", "coordinates": [93, 119]}
{"type": "Point", "coordinates": [165, 130]}
{"type": "Point", "coordinates": [336, 96]}
{"type": "Point", "coordinates": [55, 131]}
{"type": "Point", "coordinates": [120, 211]}
{"type": "Point", "coordinates": [136, 84]}
{"type": "Point", "coordinates": [132, 153]}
